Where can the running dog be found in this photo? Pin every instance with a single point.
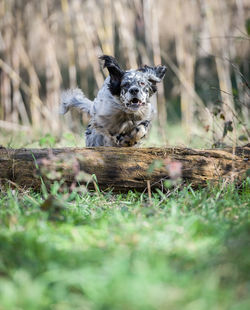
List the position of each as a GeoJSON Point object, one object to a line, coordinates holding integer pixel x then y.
{"type": "Point", "coordinates": [121, 113]}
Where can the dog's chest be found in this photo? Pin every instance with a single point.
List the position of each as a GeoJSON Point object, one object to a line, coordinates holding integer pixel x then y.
{"type": "Point", "coordinates": [117, 123]}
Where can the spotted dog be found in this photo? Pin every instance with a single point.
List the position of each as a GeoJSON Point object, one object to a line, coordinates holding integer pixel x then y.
{"type": "Point", "coordinates": [121, 113]}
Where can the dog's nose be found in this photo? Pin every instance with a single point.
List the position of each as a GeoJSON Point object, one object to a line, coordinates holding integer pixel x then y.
{"type": "Point", "coordinates": [134, 91]}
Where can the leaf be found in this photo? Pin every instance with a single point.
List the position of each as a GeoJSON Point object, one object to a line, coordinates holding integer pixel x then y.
{"type": "Point", "coordinates": [235, 92]}
{"type": "Point", "coordinates": [168, 184]}
{"type": "Point", "coordinates": [222, 116]}
{"type": "Point", "coordinates": [207, 127]}
{"type": "Point", "coordinates": [83, 177]}
{"type": "Point", "coordinates": [54, 175]}
{"type": "Point", "coordinates": [228, 126]}
{"type": "Point", "coordinates": [219, 144]}
{"type": "Point", "coordinates": [156, 164]}
{"type": "Point", "coordinates": [243, 138]}
{"type": "Point", "coordinates": [51, 204]}
{"type": "Point", "coordinates": [47, 140]}
{"type": "Point", "coordinates": [248, 26]}
{"type": "Point", "coordinates": [216, 111]}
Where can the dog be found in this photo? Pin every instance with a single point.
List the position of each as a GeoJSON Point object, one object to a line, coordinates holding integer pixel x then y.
{"type": "Point", "coordinates": [121, 113]}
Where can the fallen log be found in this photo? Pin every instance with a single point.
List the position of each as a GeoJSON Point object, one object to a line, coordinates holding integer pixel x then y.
{"type": "Point", "coordinates": [122, 169]}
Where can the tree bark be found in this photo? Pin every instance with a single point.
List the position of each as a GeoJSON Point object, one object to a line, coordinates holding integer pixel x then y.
{"type": "Point", "coordinates": [122, 169]}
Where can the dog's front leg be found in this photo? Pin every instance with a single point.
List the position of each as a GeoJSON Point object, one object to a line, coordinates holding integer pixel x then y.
{"type": "Point", "coordinates": [137, 133]}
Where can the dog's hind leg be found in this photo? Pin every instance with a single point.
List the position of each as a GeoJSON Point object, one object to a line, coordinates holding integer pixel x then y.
{"type": "Point", "coordinates": [74, 98]}
{"type": "Point", "coordinates": [95, 138]}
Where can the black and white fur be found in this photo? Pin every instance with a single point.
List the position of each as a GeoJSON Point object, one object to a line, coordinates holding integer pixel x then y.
{"type": "Point", "coordinates": [121, 113]}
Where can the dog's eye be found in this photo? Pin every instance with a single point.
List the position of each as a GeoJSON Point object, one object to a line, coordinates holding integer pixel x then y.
{"type": "Point", "coordinates": [125, 85]}
{"type": "Point", "coordinates": [142, 83]}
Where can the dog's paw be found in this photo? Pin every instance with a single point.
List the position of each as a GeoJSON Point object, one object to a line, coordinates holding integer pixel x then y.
{"type": "Point", "coordinates": [140, 131]}
{"type": "Point", "coordinates": [133, 138]}
{"type": "Point", "coordinates": [122, 140]}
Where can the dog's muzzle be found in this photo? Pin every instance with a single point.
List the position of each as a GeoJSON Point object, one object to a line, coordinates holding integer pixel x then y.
{"type": "Point", "coordinates": [135, 103]}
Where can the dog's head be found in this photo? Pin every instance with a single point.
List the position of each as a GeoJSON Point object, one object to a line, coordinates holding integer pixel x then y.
{"type": "Point", "coordinates": [133, 87]}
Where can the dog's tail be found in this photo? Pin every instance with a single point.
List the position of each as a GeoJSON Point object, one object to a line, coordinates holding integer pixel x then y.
{"type": "Point", "coordinates": [74, 98]}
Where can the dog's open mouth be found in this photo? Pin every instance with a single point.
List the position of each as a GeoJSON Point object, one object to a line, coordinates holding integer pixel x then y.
{"type": "Point", "coordinates": [135, 103]}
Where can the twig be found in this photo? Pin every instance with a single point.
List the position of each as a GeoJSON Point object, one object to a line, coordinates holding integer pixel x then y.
{"type": "Point", "coordinates": [233, 112]}
{"type": "Point", "coordinates": [96, 188]}
{"type": "Point", "coordinates": [149, 192]}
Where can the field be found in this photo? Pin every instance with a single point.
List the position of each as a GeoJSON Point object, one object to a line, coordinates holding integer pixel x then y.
{"type": "Point", "coordinates": [182, 250]}
{"type": "Point", "coordinates": [65, 248]}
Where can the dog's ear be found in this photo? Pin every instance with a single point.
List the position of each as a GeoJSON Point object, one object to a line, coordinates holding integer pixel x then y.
{"type": "Point", "coordinates": [115, 72]}
{"type": "Point", "coordinates": [154, 74]}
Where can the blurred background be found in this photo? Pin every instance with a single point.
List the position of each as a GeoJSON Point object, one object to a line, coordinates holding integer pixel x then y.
{"type": "Point", "coordinates": [47, 46]}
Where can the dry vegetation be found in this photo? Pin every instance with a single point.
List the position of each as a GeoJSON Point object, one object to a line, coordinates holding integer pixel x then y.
{"type": "Point", "coordinates": [49, 45]}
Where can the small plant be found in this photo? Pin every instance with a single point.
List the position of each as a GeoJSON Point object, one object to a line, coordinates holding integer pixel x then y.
{"type": "Point", "coordinates": [59, 168]}
{"type": "Point", "coordinates": [47, 141]}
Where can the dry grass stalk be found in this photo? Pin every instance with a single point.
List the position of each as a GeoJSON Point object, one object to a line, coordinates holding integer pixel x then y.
{"type": "Point", "coordinates": [186, 57]}
{"type": "Point", "coordinates": [149, 192]}
{"type": "Point", "coordinates": [218, 22]}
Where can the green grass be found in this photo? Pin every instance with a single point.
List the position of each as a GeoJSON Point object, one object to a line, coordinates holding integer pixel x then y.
{"type": "Point", "coordinates": [187, 251]}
